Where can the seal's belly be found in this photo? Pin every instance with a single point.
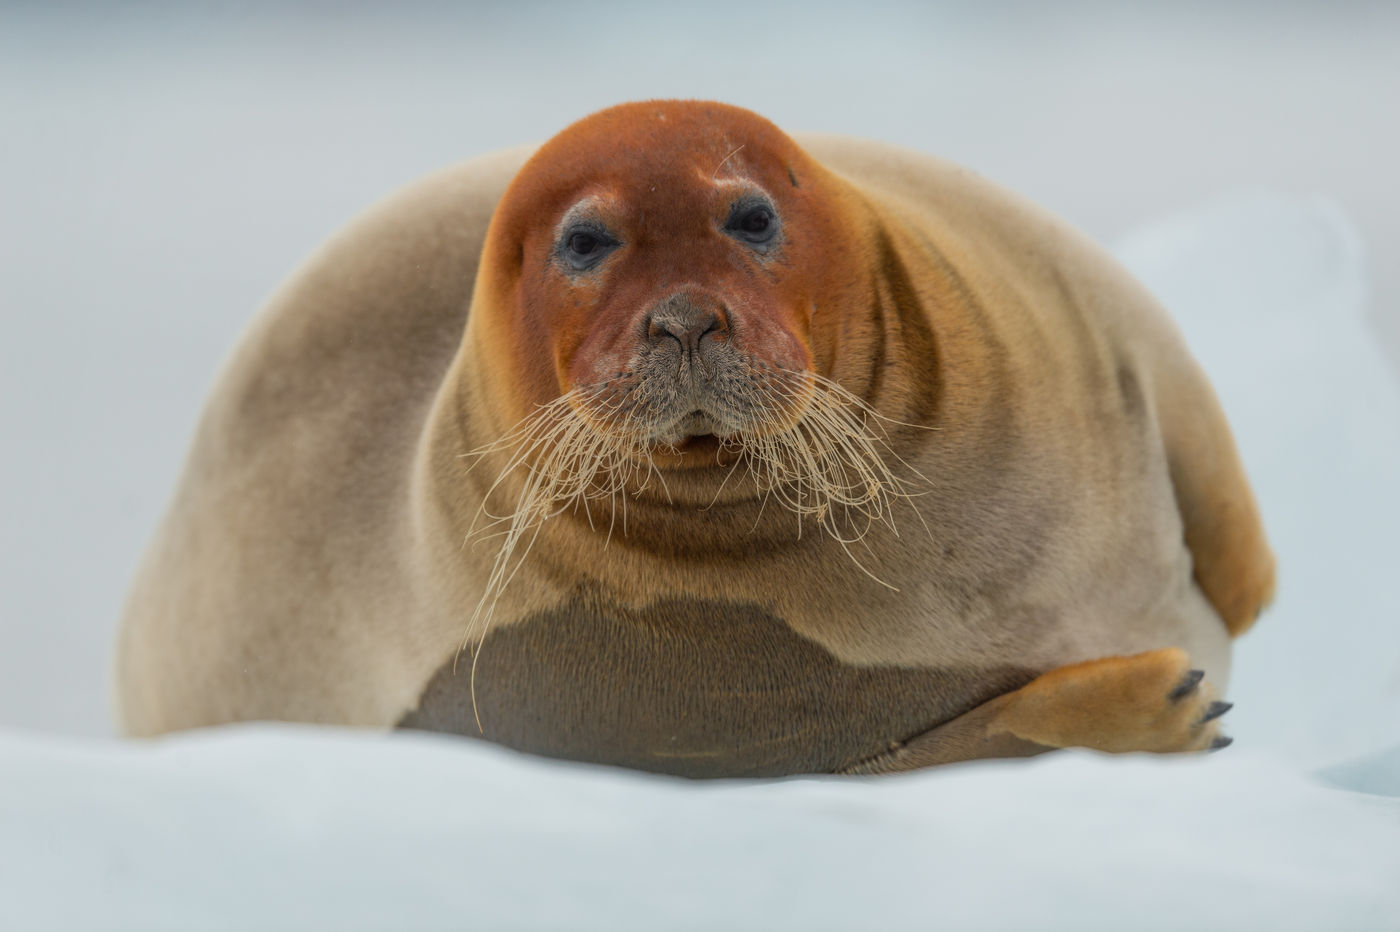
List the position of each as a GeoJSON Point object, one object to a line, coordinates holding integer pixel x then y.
{"type": "Point", "coordinates": [690, 687]}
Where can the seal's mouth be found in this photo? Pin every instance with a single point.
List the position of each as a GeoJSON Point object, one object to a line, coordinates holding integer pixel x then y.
{"type": "Point", "coordinates": [811, 446]}
{"type": "Point", "coordinates": [693, 429]}
{"type": "Point", "coordinates": [689, 407]}
{"type": "Point", "coordinates": [696, 423]}
{"type": "Point", "coordinates": [695, 439]}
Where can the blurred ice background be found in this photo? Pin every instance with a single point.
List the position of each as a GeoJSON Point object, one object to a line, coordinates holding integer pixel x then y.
{"type": "Point", "coordinates": [164, 165]}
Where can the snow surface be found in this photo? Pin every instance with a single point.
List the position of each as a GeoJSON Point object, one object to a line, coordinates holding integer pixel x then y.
{"type": "Point", "coordinates": [297, 828]}
{"type": "Point", "coordinates": [281, 827]}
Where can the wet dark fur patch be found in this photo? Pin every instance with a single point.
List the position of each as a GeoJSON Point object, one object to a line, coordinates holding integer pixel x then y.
{"type": "Point", "coordinates": [694, 688]}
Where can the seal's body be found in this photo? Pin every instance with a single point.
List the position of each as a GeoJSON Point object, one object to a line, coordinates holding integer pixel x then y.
{"type": "Point", "coordinates": [714, 455]}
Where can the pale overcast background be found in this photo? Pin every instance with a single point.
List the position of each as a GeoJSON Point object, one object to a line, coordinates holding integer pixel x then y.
{"type": "Point", "coordinates": [164, 166]}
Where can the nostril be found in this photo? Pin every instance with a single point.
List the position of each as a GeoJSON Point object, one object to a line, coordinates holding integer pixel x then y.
{"type": "Point", "coordinates": [686, 328]}
{"type": "Point", "coordinates": [714, 325]}
{"type": "Point", "coordinates": [704, 324]}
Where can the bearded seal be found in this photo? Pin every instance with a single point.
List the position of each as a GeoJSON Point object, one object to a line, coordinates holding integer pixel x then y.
{"type": "Point", "coordinates": [683, 445]}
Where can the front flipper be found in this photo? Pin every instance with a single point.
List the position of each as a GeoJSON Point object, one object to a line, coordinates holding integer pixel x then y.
{"type": "Point", "coordinates": [1147, 702]}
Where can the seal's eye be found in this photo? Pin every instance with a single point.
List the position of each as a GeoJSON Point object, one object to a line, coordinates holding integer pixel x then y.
{"type": "Point", "coordinates": [584, 244]}
{"type": "Point", "coordinates": [754, 221]}
{"type": "Point", "coordinates": [583, 247]}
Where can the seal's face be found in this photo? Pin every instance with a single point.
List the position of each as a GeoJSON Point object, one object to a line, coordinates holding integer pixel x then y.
{"type": "Point", "coordinates": [671, 291]}
{"type": "Point", "coordinates": [669, 259]}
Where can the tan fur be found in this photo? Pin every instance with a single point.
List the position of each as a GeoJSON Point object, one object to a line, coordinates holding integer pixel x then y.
{"type": "Point", "coordinates": [1114, 704]}
{"type": "Point", "coordinates": [1082, 497]}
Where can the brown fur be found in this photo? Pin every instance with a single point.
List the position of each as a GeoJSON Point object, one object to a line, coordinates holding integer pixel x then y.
{"type": "Point", "coordinates": [793, 708]}
{"type": "Point", "coordinates": [1146, 702]}
{"type": "Point", "coordinates": [1075, 494]}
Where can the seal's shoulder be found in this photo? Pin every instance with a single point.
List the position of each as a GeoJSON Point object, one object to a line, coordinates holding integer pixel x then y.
{"type": "Point", "coordinates": [369, 321]}
{"type": "Point", "coordinates": [420, 244]}
{"type": "Point", "coordinates": [947, 195]}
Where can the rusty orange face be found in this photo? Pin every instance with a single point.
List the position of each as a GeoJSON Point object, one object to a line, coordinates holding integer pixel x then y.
{"type": "Point", "coordinates": [672, 263]}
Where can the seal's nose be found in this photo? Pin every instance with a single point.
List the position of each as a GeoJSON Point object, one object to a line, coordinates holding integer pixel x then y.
{"type": "Point", "coordinates": [688, 321]}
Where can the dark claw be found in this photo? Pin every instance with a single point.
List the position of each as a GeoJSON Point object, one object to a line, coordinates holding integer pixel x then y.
{"type": "Point", "coordinates": [1224, 741]}
{"type": "Point", "coordinates": [1215, 710]}
{"type": "Point", "coordinates": [1188, 682]}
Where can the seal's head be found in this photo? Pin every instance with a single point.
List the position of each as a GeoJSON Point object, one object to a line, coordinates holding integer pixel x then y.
{"type": "Point", "coordinates": [671, 291]}
{"type": "Point", "coordinates": [661, 264]}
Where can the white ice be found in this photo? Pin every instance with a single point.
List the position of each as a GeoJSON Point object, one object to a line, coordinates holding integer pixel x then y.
{"type": "Point", "coordinates": [290, 828]}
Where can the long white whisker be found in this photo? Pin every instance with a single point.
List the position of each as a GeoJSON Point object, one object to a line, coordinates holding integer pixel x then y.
{"type": "Point", "coordinates": [818, 450]}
